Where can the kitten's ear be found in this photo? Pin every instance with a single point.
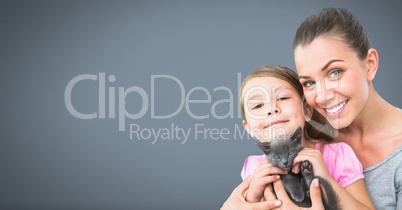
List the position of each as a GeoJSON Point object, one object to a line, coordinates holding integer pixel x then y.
{"type": "Point", "coordinates": [264, 146]}
{"type": "Point", "coordinates": [297, 134]}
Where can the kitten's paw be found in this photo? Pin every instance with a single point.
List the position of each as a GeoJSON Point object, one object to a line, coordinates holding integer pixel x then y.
{"type": "Point", "coordinates": [307, 171]}
{"type": "Point", "coordinates": [306, 168]}
{"type": "Point", "coordinates": [299, 197]}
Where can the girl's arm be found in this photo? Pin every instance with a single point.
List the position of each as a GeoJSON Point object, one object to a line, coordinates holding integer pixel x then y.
{"type": "Point", "coordinates": [357, 194]}
{"type": "Point", "coordinates": [237, 201]}
{"type": "Point", "coordinates": [263, 175]}
{"type": "Point", "coordinates": [354, 196]}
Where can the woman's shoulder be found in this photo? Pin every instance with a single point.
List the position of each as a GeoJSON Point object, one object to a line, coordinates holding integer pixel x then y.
{"type": "Point", "coordinates": [393, 161]}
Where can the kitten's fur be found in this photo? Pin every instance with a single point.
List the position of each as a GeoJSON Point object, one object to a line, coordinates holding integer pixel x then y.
{"type": "Point", "coordinates": [280, 153]}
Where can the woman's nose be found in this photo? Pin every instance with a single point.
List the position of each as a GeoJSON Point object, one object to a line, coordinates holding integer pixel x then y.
{"type": "Point", "coordinates": [323, 95]}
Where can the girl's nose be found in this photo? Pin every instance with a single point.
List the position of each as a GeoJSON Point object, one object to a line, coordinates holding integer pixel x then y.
{"type": "Point", "coordinates": [270, 112]}
{"type": "Point", "coordinates": [273, 110]}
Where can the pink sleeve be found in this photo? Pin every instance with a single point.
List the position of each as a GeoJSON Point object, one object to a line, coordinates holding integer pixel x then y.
{"type": "Point", "coordinates": [250, 164]}
{"type": "Point", "coordinates": [342, 163]}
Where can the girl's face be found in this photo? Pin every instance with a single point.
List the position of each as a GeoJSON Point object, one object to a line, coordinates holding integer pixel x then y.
{"type": "Point", "coordinates": [335, 81]}
{"type": "Point", "coordinates": [272, 108]}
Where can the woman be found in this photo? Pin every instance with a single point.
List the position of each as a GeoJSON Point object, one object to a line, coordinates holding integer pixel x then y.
{"type": "Point", "coordinates": [336, 66]}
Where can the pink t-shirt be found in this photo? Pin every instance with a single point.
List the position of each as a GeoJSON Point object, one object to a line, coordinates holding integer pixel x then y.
{"type": "Point", "coordinates": [339, 158]}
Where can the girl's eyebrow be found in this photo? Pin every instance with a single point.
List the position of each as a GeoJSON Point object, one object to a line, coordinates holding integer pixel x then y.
{"type": "Point", "coordinates": [276, 90]}
{"type": "Point", "coordinates": [253, 96]}
{"type": "Point", "coordinates": [281, 88]}
{"type": "Point", "coordinates": [323, 68]}
{"type": "Point", "coordinates": [260, 94]}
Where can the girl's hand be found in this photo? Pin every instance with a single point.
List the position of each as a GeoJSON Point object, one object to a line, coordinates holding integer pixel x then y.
{"type": "Point", "coordinates": [261, 180]}
{"type": "Point", "coordinates": [287, 204]}
{"type": "Point", "coordinates": [315, 157]}
{"type": "Point", "coordinates": [236, 199]}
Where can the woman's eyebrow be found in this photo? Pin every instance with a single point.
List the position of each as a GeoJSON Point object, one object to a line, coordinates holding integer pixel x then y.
{"type": "Point", "coordinates": [329, 63]}
{"type": "Point", "coordinates": [323, 68]}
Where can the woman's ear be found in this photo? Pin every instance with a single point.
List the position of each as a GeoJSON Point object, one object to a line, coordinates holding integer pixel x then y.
{"type": "Point", "coordinates": [308, 111]}
{"type": "Point", "coordinates": [372, 63]}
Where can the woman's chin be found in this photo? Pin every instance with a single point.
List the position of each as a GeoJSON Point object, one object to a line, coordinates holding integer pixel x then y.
{"type": "Point", "coordinates": [339, 123]}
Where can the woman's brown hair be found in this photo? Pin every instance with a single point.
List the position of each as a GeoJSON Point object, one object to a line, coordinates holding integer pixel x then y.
{"type": "Point", "coordinates": [334, 22]}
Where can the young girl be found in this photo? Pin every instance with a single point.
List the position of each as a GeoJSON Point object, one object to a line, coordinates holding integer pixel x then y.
{"type": "Point", "coordinates": [272, 104]}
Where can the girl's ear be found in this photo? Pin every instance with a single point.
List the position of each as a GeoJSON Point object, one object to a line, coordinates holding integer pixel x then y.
{"type": "Point", "coordinates": [308, 111]}
{"type": "Point", "coordinates": [247, 127]}
{"type": "Point", "coordinates": [372, 63]}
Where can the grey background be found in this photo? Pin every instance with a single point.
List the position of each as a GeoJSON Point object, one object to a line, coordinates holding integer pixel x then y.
{"type": "Point", "coordinates": [50, 159]}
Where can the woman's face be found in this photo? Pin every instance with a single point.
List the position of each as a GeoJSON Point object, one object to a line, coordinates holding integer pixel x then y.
{"type": "Point", "coordinates": [335, 81]}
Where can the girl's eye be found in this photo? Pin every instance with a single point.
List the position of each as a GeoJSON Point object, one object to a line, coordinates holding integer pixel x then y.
{"type": "Point", "coordinates": [335, 73]}
{"type": "Point", "coordinates": [308, 84]}
{"type": "Point", "coordinates": [257, 106]}
{"type": "Point", "coordinates": [283, 98]}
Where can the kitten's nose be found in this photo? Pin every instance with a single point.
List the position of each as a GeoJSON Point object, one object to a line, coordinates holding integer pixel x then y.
{"type": "Point", "coordinates": [285, 162]}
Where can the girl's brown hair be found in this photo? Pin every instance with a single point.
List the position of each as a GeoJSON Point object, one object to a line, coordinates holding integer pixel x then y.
{"type": "Point", "coordinates": [317, 127]}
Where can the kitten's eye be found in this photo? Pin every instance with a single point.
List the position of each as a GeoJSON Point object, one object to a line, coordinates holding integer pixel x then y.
{"type": "Point", "coordinates": [291, 152]}
{"type": "Point", "coordinates": [276, 156]}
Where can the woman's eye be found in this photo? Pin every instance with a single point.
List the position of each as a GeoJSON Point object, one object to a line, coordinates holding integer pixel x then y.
{"type": "Point", "coordinates": [335, 73]}
{"type": "Point", "coordinates": [308, 84]}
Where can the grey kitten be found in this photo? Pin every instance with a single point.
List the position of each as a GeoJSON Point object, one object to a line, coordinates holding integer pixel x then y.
{"type": "Point", "coordinates": [281, 152]}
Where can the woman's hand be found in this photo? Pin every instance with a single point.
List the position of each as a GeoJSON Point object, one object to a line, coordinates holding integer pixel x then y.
{"type": "Point", "coordinates": [315, 158]}
{"type": "Point", "coordinates": [237, 201]}
{"type": "Point", "coordinates": [287, 204]}
{"type": "Point", "coordinates": [261, 181]}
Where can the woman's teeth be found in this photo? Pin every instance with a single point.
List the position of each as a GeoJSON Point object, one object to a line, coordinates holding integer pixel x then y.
{"type": "Point", "coordinates": [336, 109]}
